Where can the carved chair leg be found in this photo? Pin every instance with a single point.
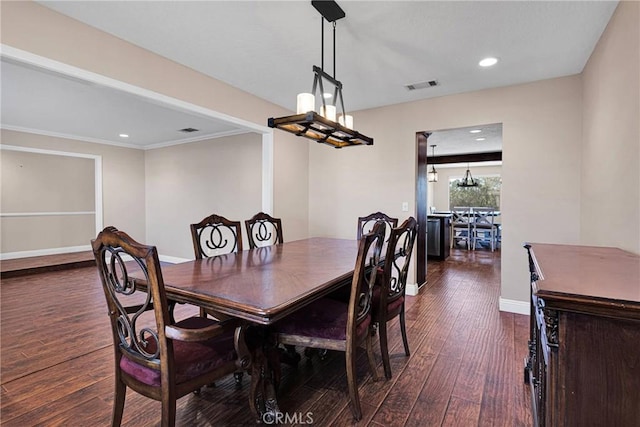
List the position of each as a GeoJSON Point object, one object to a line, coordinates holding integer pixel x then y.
{"type": "Point", "coordinates": [352, 385]}
{"type": "Point", "coordinates": [168, 411]}
{"type": "Point", "coordinates": [118, 403]}
{"type": "Point", "coordinates": [403, 330]}
{"type": "Point", "coordinates": [371, 358]}
{"type": "Point", "coordinates": [384, 349]}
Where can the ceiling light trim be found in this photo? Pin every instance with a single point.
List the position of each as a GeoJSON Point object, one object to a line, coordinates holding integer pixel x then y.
{"type": "Point", "coordinates": [69, 136]}
{"type": "Point", "coordinates": [195, 139]}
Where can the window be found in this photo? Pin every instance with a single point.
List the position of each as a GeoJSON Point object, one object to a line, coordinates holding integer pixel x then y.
{"type": "Point", "coordinates": [487, 193]}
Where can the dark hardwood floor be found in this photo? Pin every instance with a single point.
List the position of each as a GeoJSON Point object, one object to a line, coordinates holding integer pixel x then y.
{"type": "Point", "coordinates": [465, 366]}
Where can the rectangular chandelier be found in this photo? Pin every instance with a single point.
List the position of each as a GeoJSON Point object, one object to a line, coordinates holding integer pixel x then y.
{"type": "Point", "coordinates": [313, 126]}
{"type": "Point", "coordinates": [323, 127]}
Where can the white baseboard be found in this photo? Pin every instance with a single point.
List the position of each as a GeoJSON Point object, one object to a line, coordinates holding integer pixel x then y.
{"type": "Point", "coordinates": [411, 289]}
{"type": "Point", "coordinates": [41, 252]}
{"type": "Point", "coordinates": [162, 258]}
{"type": "Point", "coordinates": [514, 306]}
{"type": "Point", "coordinates": [173, 259]}
{"type": "Point", "coordinates": [71, 249]}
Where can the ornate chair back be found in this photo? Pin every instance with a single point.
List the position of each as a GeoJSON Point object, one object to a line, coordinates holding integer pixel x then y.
{"type": "Point", "coordinates": [263, 230]}
{"type": "Point", "coordinates": [389, 296]}
{"type": "Point", "coordinates": [216, 235]}
{"type": "Point", "coordinates": [366, 223]}
{"type": "Point", "coordinates": [397, 259]}
{"type": "Point", "coordinates": [364, 278]}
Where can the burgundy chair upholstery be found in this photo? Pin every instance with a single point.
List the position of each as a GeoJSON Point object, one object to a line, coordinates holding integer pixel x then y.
{"type": "Point", "coordinates": [336, 325]}
{"type": "Point", "coordinates": [325, 318]}
{"type": "Point", "coordinates": [154, 356]}
{"type": "Point", "coordinates": [388, 294]}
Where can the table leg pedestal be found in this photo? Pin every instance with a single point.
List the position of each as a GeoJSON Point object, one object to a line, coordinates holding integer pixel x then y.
{"type": "Point", "coordinates": [265, 375]}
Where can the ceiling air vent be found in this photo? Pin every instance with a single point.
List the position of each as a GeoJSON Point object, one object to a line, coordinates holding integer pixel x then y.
{"type": "Point", "coordinates": [188, 130]}
{"type": "Point", "coordinates": [422, 85]}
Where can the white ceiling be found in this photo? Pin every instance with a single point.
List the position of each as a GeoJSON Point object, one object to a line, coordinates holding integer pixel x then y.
{"type": "Point", "coordinates": [268, 48]}
{"type": "Point", "coordinates": [462, 141]}
{"type": "Point", "coordinates": [40, 101]}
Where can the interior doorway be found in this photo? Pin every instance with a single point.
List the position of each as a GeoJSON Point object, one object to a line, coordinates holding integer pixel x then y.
{"type": "Point", "coordinates": [443, 159]}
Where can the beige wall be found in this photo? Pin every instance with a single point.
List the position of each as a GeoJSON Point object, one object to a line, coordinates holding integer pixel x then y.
{"type": "Point", "coordinates": [541, 142]}
{"type": "Point", "coordinates": [122, 177]}
{"type": "Point", "coordinates": [186, 183]}
{"type": "Point", "coordinates": [611, 135]}
{"type": "Point", "coordinates": [35, 186]}
{"type": "Point", "coordinates": [38, 182]}
{"type": "Point", "coordinates": [291, 185]}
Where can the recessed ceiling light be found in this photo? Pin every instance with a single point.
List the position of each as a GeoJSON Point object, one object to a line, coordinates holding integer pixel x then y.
{"type": "Point", "coordinates": [475, 131]}
{"type": "Point", "coordinates": [480, 139]}
{"type": "Point", "coordinates": [488, 62]}
{"type": "Point", "coordinates": [123, 135]}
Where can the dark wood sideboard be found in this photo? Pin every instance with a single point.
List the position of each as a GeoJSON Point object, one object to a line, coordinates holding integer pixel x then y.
{"type": "Point", "coordinates": [583, 364]}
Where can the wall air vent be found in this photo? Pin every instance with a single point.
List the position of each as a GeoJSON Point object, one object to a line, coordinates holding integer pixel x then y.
{"type": "Point", "coordinates": [422, 85]}
{"type": "Point", "coordinates": [189, 130]}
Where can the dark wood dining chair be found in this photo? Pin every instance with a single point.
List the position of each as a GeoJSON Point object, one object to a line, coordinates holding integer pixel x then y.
{"type": "Point", "coordinates": [388, 294]}
{"type": "Point", "coordinates": [158, 358]}
{"type": "Point", "coordinates": [216, 235]}
{"type": "Point", "coordinates": [263, 230]}
{"type": "Point", "coordinates": [334, 325]}
{"type": "Point", "coordinates": [366, 223]}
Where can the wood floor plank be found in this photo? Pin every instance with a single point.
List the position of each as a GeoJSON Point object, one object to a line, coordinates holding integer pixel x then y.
{"type": "Point", "coordinates": [461, 412]}
{"type": "Point", "coordinates": [397, 405]}
{"type": "Point", "coordinates": [498, 398]}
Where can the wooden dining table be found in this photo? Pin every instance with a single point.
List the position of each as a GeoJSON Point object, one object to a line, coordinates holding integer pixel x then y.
{"type": "Point", "coordinates": [262, 286]}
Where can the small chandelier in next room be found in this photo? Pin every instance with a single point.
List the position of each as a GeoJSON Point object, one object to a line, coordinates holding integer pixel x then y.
{"type": "Point", "coordinates": [468, 180]}
{"type": "Point", "coordinates": [323, 125]}
{"type": "Point", "coordinates": [432, 175]}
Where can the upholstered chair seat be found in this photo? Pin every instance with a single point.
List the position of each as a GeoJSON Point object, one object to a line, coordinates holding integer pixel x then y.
{"type": "Point", "coordinates": [192, 359]}
{"type": "Point", "coordinates": [325, 318]}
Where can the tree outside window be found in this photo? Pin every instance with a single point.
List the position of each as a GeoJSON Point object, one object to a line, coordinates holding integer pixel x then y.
{"type": "Point", "coordinates": [486, 194]}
